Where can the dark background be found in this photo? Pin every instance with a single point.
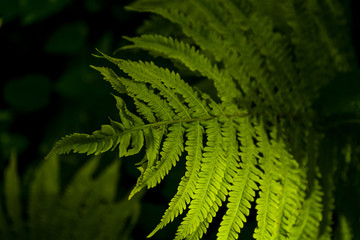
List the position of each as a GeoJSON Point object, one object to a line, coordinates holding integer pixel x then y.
{"type": "Point", "coordinates": [47, 86]}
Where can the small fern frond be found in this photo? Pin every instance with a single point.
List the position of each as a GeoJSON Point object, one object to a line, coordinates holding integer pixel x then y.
{"type": "Point", "coordinates": [100, 141]}
{"type": "Point", "coordinates": [127, 135]}
{"type": "Point", "coordinates": [12, 198]}
{"type": "Point", "coordinates": [344, 231]}
{"type": "Point", "coordinates": [308, 222]}
{"type": "Point", "coordinates": [12, 190]}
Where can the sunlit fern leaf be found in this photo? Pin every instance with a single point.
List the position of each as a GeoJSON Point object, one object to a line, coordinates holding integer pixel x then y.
{"type": "Point", "coordinates": [244, 185]}
{"type": "Point", "coordinates": [100, 141]}
{"type": "Point", "coordinates": [253, 144]}
{"type": "Point", "coordinates": [231, 165]}
{"type": "Point", "coordinates": [125, 135]}
{"type": "Point", "coordinates": [189, 57]}
{"type": "Point", "coordinates": [211, 185]}
{"type": "Point", "coordinates": [170, 154]}
{"type": "Point", "coordinates": [170, 85]}
{"type": "Point", "coordinates": [186, 189]}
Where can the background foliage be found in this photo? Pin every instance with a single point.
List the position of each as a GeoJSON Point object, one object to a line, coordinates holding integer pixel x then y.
{"type": "Point", "coordinates": [48, 89]}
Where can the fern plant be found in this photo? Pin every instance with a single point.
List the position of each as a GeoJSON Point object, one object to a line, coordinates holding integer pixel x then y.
{"type": "Point", "coordinates": [86, 209]}
{"type": "Point", "coordinates": [261, 141]}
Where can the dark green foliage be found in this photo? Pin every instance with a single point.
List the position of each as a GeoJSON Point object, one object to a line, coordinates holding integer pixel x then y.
{"type": "Point", "coordinates": [30, 11]}
{"type": "Point", "coordinates": [18, 96]}
{"type": "Point", "coordinates": [86, 209]}
{"type": "Point", "coordinates": [68, 39]}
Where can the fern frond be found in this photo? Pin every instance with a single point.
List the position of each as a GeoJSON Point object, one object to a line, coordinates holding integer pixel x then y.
{"type": "Point", "coordinates": [127, 135]}
{"type": "Point", "coordinates": [308, 222]}
{"type": "Point", "coordinates": [12, 197]}
{"type": "Point", "coordinates": [244, 184]}
{"type": "Point", "coordinates": [178, 98]}
{"type": "Point", "coordinates": [212, 184]}
{"type": "Point", "coordinates": [171, 151]}
{"type": "Point", "coordinates": [281, 189]}
{"type": "Point", "coordinates": [268, 203]}
{"type": "Point", "coordinates": [44, 191]}
{"type": "Point", "coordinates": [255, 142]}
{"type": "Point", "coordinates": [140, 92]}
{"type": "Point", "coordinates": [210, 191]}
{"type": "Point", "coordinates": [100, 141]}
{"type": "Point", "coordinates": [177, 106]}
{"type": "Point", "coordinates": [170, 85]}
{"type": "Point", "coordinates": [190, 28]}
{"type": "Point", "coordinates": [84, 201]}
{"type": "Point", "coordinates": [328, 166]}
{"type": "Point", "coordinates": [191, 58]}
{"type": "Point", "coordinates": [293, 193]}
{"type": "Point", "coordinates": [186, 189]}
{"type": "Point", "coordinates": [211, 33]}
{"type": "Point", "coordinates": [231, 151]}
{"type": "Point", "coordinates": [210, 42]}
{"type": "Point", "coordinates": [344, 231]}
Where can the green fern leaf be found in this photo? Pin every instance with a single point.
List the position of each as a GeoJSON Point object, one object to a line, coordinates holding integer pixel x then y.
{"type": "Point", "coordinates": [210, 190]}
{"type": "Point", "coordinates": [186, 190]}
{"type": "Point", "coordinates": [100, 141]}
{"type": "Point", "coordinates": [170, 154]}
{"type": "Point", "coordinates": [122, 134]}
{"type": "Point", "coordinates": [310, 216]}
{"type": "Point", "coordinates": [191, 58]}
{"type": "Point", "coordinates": [256, 142]}
{"type": "Point", "coordinates": [244, 184]}
{"type": "Point", "coordinates": [270, 189]}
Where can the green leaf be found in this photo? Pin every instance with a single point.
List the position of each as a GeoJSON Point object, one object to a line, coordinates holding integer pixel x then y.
{"type": "Point", "coordinates": [44, 193]}
{"type": "Point", "coordinates": [12, 194]}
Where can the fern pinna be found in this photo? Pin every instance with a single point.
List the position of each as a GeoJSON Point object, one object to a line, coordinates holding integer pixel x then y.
{"type": "Point", "coordinates": [256, 141]}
